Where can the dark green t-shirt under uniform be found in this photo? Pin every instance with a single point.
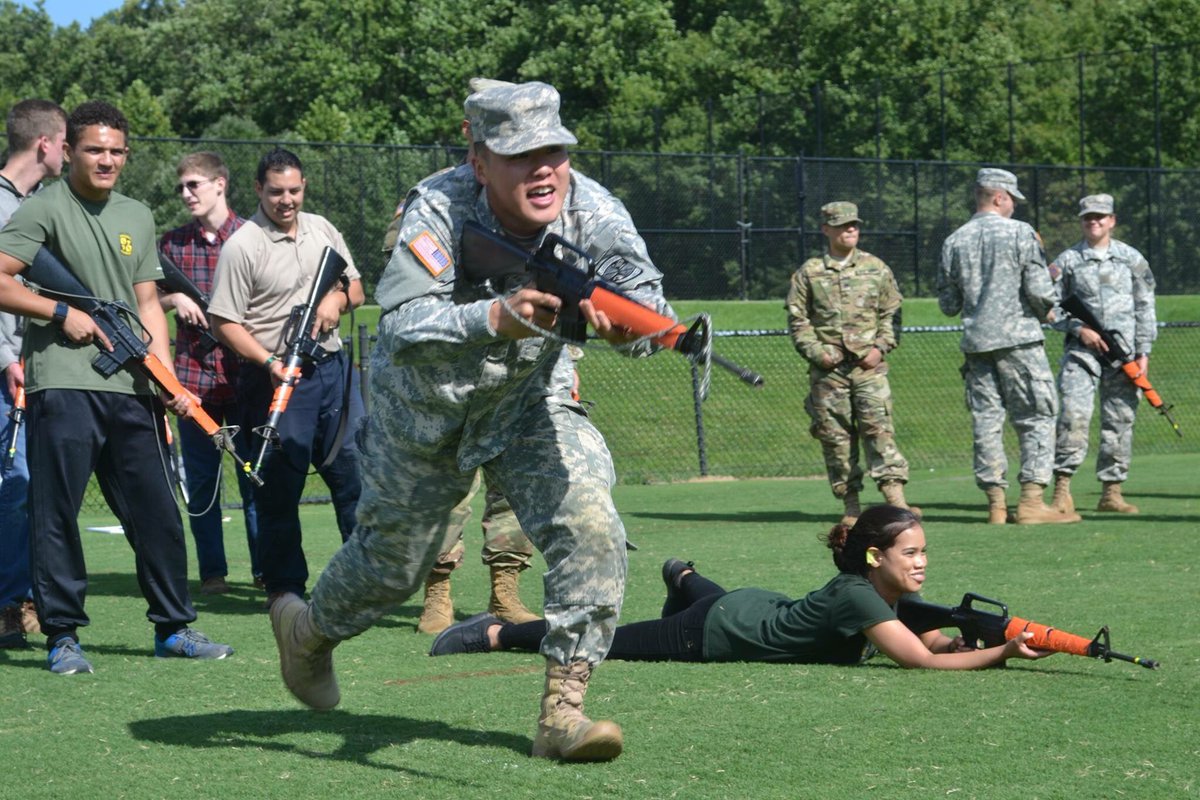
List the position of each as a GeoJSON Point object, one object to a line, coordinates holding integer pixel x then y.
{"type": "Point", "coordinates": [824, 627]}
{"type": "Point", "coordinates": [109, 247]}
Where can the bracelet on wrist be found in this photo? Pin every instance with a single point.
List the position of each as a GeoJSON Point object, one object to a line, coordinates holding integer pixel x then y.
{"type": "Point", "coordinates": [271, 359]}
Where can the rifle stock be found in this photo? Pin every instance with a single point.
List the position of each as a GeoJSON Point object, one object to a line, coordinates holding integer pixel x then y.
{"type": "Point", "coordinates": [980, 628]}
{"type": "Point", "coordinates": [55, 278]}
{"type": "Point", "coordinates": [1119, 356]}
{"type": "Point", "coordinates": [302, 346]}
{"type": "Point", "coordinates": [487, 255]}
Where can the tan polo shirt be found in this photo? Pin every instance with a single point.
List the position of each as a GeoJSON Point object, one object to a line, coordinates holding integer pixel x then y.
{"type": "Point", "coordinates": [263, 273]}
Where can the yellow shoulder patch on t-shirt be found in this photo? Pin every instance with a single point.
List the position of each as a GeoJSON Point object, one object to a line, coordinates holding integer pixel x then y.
{"type": "Point", "coordinates": [430, 253]}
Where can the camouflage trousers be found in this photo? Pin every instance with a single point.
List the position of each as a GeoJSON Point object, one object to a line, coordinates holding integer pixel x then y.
{"type": "Point", "coordinates": [504, 543]}
{"type": "Point", "coordinates": [557, 474]}
{"type": "Point", "coordinates": [1015, 382]}
{"type": "Point", "coordinates": [848, 404]}
{"type": "Point", "coordinates": [1080, 374]}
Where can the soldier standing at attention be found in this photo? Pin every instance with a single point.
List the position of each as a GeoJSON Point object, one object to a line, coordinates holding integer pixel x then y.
{"type": "Point", "coordinates": [1114, 281]}
{"type": "Point", "coordinates": [841, 314]}
{"type": "Point", "coordinates": [994, 273]}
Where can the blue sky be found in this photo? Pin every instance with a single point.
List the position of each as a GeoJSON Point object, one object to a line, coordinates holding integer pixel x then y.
{"type": "Point", "coordinates": [64, 12]}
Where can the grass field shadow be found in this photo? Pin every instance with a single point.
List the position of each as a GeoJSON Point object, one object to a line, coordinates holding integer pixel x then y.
{"type": "Point", "coordinates": [745, 516]}
{"type": "Point", "coordinates": [362, 735]}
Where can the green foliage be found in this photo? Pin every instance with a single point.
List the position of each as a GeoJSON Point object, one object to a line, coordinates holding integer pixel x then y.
{"type": "Point", "coordinates": [911, 79]}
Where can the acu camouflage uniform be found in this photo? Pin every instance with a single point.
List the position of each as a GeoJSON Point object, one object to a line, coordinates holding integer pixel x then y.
{"type": "Point", "coordinates": [994, 273]}
{"type": "Point", "coordinates": [1118, 287]}
{"type": "Point", "coordinates": [448, 396]}
{"type": "Point", "coordinates": [504, 543]}
{"type": "Point", "coordinates": [844, 311]}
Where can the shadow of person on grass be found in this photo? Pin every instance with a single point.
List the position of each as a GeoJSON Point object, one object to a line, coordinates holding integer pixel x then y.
{"type": "Point", "coordinates": [362, 735]}
{"type": "Point", "coordinates": [829, 516]}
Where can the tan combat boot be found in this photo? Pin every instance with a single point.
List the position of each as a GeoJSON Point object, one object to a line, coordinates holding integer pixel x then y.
{"type": "Point", "coordinates": [853, 509]}
{"type": "Point", "coordinates": [505, 604]}
{"type": "Point", "coordinates": [305, 656]}
{"type": "Point", "coordinates": [1111, 500]}
{"type": "Point", "coordinates": [438, 613]}
{"type": "Point", "coordinates": [563, 730]}
{"type": "Point", "coordinates": [997, 505]}
{"type": "Point", "coordinates": [1032, 511]}
{"type": "Point", "coordinates": [893, 493]}
{"type": "Point", "coordinates": [1062, 494]}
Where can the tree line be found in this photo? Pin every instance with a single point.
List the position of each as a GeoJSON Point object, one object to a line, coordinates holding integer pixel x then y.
{"type": "Point", "coordinates": [1032, 81]}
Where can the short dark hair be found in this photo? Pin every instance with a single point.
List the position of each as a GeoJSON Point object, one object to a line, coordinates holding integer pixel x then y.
{"type": "Point", "coordinates": [95, 112]}
{"type": "Point", "coordinates": [30, 119]}
{"type": "Point", "coordinates": [876, 527]}
{"type": "Point", "coordinates": [205, 162]}
{"type": "Point", "coordinates": [277, 160]}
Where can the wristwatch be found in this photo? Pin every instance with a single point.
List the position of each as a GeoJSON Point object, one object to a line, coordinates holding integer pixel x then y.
{"type": "Point", "coordinates": [60, 313]}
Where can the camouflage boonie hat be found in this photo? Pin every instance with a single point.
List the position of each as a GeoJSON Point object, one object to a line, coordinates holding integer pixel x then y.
{"type": "Point", "coordinates": [992, 178]}
{"type": "Point", "coordinates": [1096, 204]}
{"type": "Point", "coordinates": [516, 118]}
{"type": "Point", "coordinates": [839, 213]}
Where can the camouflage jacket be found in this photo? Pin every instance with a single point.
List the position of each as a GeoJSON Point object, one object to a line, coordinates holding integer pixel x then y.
{"type": "Point", "coordinates": [850, 308]}
{"type": "Point", "coordinates": [462, 385]}
{"type": "Point", "coordinates": [994, 273]}
{"type": "Point", "coordinates": [1118, 287]}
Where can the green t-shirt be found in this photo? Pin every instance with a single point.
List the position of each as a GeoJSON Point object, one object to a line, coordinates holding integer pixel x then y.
{"type": "Point", "coordinates": [824, 627]}
{"type": "Point", "coordinates": [109, 247]}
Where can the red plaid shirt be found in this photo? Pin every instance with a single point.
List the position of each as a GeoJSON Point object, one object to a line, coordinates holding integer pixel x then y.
{"type": "Point", "coordinates": [213, 377]}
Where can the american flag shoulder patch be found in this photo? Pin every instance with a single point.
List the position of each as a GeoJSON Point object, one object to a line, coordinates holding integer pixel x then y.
{"type": "Point", "coordinates": [430, 253]}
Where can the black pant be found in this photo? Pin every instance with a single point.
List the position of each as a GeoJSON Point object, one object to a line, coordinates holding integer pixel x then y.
{"type": "Point", "coordinates": [120, 437]}
{"type": "Point", "coordinates": [676, 637]}
{"type": "Point", "coordinates": [307, 430]}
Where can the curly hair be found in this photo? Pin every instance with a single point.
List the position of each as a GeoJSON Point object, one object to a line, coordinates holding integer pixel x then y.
{"type": "Point", "coordinates": [877, 527]}
{"type": "Point", "coordinates": [95, 112]}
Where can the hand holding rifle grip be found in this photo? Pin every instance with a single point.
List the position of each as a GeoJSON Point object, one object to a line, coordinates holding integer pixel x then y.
{"type": "Point", "coordinates": [1119, 356]}
{"type": "Point", "coordinates": [17, 415]}
{"type": "Point", "coordinates": [56, 279]}
{"type": "Point", "coordinates": [174, 280]}
{"type": "Point", "coordinates": [301, 346]}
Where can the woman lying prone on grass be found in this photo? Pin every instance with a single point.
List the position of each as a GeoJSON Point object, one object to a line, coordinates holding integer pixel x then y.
{"type": "Point", "coordinates": [881, 558]}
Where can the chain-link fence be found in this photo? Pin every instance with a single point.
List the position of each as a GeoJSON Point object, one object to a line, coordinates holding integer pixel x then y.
{"type": "Point", "coordinates": [647, 412]}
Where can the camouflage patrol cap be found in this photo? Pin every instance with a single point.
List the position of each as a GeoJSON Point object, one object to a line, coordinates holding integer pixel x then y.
{"type": "Point", "coordinates": [516, 118]}
{"type": "Point", "coordinates": [992, 178]}
{"type": "Point", "coordinates": [839, 213]}
{"type": "Point", "coordinates": [1096, 204]}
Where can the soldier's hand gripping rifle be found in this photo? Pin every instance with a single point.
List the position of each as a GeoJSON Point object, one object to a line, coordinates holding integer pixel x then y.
{"type": "Point", "coordinates": [17, 415]}
{"type": "Point", "coordinates": [982, 628]}
{"type": "Point", "coordinates": [1119, 356]}
{"type": "Point", "coordinates": [487, 255]}
{"type": "Point", "coordinates": [55, 279]}
{"type": "Point", "coordinates": [173, 280]}
{"type": "Point", "coordinates": [302, 347]}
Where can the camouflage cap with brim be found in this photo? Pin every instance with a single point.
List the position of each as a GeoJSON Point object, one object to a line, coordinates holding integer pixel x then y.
{"type": "Point", "coordinates": [1096, 204]}
{"type": "Point", "coordinates": [516, 118]}
{"type": "Point", "coordinates": [993, 178]}
{"type": "Point", "coordinates": [839, 213]}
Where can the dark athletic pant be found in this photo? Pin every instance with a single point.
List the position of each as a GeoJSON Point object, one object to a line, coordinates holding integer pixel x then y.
{"type": "Point", "coordinates": [677, 636]}
{"type": "Point", "coordinates": [307, 431]}
{"type": "Point", "coordinates": [119, 437]}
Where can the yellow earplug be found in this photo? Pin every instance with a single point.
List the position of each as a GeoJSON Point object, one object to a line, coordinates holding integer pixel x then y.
{"type": "Point", "coordinates": [872, 561]}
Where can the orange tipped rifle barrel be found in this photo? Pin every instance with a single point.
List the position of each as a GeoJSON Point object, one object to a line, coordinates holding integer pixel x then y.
{"type": "Point", "coordinates": [1046, 637]}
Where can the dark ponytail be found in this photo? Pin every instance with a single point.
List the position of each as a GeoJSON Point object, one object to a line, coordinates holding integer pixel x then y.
{"type": "Point", "coordinates": [877, 527]}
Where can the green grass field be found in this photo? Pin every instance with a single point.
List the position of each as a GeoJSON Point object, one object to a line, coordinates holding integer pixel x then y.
{"type": "Point", "coordinates": [461, 727]}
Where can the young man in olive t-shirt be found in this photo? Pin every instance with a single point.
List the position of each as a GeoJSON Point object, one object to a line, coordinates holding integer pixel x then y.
{"type": "Point", "coordinates": [80, 421]}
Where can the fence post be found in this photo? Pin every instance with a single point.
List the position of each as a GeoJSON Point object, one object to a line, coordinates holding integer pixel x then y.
{"type": "Point", "coordinates": [743, 227]}
{"type": "Point", "coordinates": [698, 405]}
{"type": "Point", "coordinates": [1157, 114]}
{"type": "Point", "coordinates": [942, 108]}
{"type": "Point", "coordinates": [1082, 127]}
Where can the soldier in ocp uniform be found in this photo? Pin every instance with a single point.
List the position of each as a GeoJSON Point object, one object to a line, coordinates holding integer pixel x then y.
{"type": "Point", "coordinates": [1114, 281]}
{"type": "Point", "coordinates": [841, 314]}
{"type": "Point", "coordinates": [994, 273]}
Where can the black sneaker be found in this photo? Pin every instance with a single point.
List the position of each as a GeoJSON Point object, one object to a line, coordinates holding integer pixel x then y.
{"type": "Point", "coordinates": [468, 636]}
{"type": "Point", "coordinates": [671, 570]}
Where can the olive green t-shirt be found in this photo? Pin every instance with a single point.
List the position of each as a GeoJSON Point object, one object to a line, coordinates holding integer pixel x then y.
{"type": "Point", "coordinates": [824, 627]}
{"type": "Point", "coordinates": [108, 247]}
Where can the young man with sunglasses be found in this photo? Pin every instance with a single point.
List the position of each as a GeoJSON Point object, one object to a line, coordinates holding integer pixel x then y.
{"type": "Point", "coordinates": [210, 373]}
